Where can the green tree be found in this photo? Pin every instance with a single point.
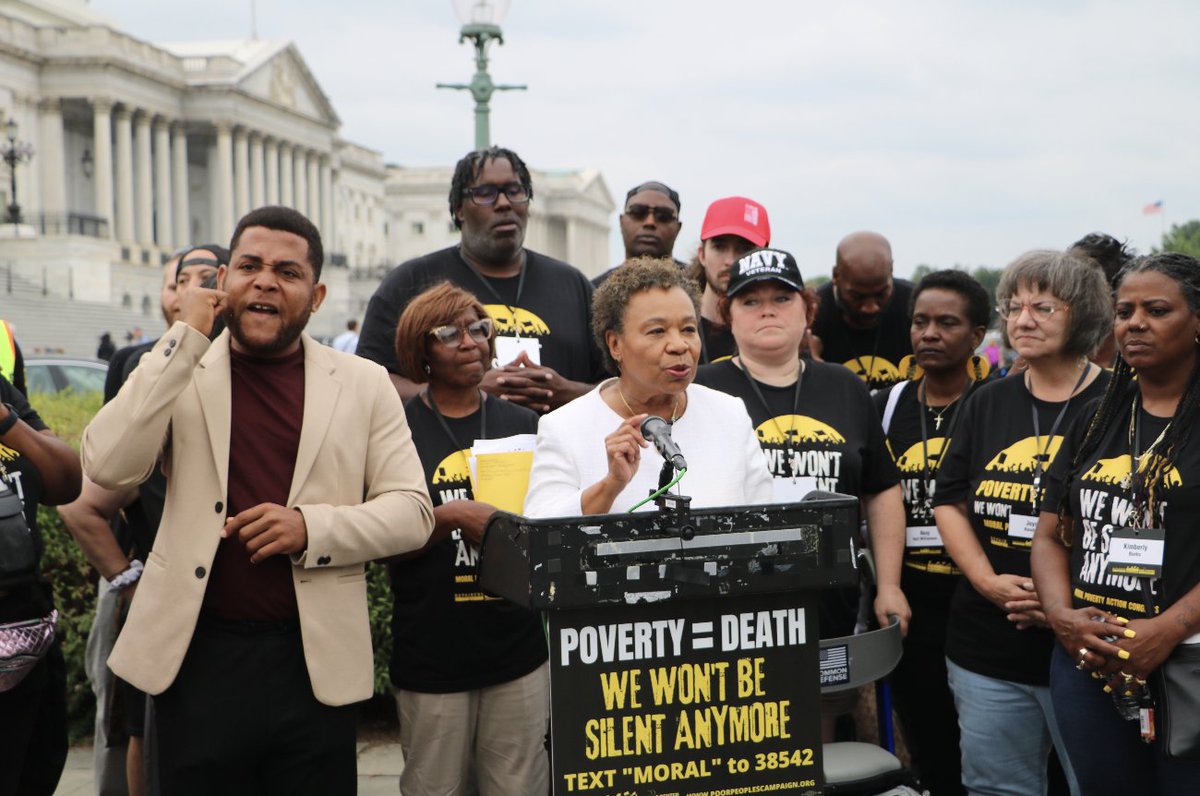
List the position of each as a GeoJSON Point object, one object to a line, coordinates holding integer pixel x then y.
{"type": "Point", "coordinates": [816, 281]}
{"type": "Point", "coordinates": [989, 278]}
{"type": "Point", "coordinates": [921, 271]}
{"type": "Point", "coordinates": [1183, 238]}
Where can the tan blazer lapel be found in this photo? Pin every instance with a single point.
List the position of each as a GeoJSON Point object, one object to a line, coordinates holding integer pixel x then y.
{"type": "Point", "coordinates": [212, 381]}
{"type": "Point", "coordinates": [321, 390]}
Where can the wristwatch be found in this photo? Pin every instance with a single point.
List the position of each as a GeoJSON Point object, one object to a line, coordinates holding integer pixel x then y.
{"type": "Point", "coordinates": [11, 420]}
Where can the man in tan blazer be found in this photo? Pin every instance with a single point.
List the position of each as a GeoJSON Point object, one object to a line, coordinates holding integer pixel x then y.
{"type": "Point", "coordinates": [289, 465]}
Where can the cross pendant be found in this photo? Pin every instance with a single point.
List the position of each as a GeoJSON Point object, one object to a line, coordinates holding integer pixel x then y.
{"type": "Point", "coordinates": [937, 422]}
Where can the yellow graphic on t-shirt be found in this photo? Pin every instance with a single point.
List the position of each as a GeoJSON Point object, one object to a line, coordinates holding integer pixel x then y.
{"type": "Point", "coordinates": [873, 369]}
{"type": "Point", "coordinates": [452, 477]}
{"type": "Point", "coordinates": [1116, 471]}
{"type": "Point", "coordinates": [454, 470]}
{"type": "Point", "coordinates": [1021, 457]}
{"type": "Point", "coordinates": [913, 459]}
{"type": "Point", "coordinates": [781, 429]}
{"type": "Point", "coordinates": [516, 321]}
{"type": "Point", "coordinates": [7, 454]}
{"type": "Point", "coordinates": [798, 446]}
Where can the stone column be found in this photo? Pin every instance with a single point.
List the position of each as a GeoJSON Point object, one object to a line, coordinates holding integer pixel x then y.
{"type": "Point", "coordinates": [103, 157]}
{"type": "Point", "coordinates": [300, 180]}
{"type": "Point", "coordinates": [179, 184]}
{"type": "Point", "coordinates": [224, 222]}
{"type": "Point", "coordinates": [52, 156]}
{"type": "Point", "coordinates": [124, 175]}
{"type": "Point", "coordinates": [241, 173]}
{"type": "Point", "coordinates": [326, 222]}
{"type": "Point", "coordinates": [272, 171]}
{"type": "Point", "coordinates": [257, 192]}
{"type": "Point", "coordinates": [163, 222]}
{"type": "Point", "coordinates": [287, 193]}
{"type": "Point", "coordinates": [314, 188]}
{"type": "Point", "coordinates": [144, 194]}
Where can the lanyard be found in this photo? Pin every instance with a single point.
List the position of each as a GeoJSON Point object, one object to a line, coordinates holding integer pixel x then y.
{"type": "Point", "coordinates": [787, 439]}
{"type": "Point", "coordinates": [496, 295]}
{"type": "Point", "coordinates": [1137, 484]}
{"type": "Point", "coordinates": [446, 426]}
{"type": "Point", "coordinates": [926, 470]}
{"type": "Point", "coordinates": [1038, 468]}
{"type": "Point", "coordinates": [868, 372]}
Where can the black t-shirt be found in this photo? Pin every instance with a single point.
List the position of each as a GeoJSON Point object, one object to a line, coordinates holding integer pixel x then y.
{"type": "Point", "coordinates": [447, 635]}
{"type": "Point", "coordinates": [830, 439]}
{"type": "Point", "coordinates": [990, 466]}
{"type": "Point", "coordinates": [888, 343]}
{"type": "Point", "coordinates": [717, 343]}
{"type": "Point", "coordinates": [30, 601]}
{"type": "Point", "coordinates": [1101, 501]}
{"type": "Point", "coordinates": [555, 308]}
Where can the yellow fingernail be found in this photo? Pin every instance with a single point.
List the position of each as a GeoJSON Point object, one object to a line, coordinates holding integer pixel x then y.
{"type": "Point", "coordinates": [1108, 689]}
{"type": "Point", "coordinates": [1123, 654]}
{"type": "Point", "coordinates": [1130, 633]}
{"type": "Point", "coordinates": [1129, 692]}
{"type": "Point", "coordinates": [1122, 620]}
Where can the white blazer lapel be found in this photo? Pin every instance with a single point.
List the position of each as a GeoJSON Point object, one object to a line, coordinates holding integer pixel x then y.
{"type": "Point", "coordinates": [212, 381]}
{"type": "Point", "coordinates": [321, 391]}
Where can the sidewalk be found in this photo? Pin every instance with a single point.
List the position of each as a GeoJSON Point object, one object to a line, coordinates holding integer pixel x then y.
{"type": "Point", "coordinates": [379, 766]}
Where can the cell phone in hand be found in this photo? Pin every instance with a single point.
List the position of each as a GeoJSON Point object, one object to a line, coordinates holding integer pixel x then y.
{"type": "Point", "coordinates": [210, 281]}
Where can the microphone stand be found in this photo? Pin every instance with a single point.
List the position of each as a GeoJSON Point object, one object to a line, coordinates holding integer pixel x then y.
{"type": "Point", "coordinates": [674, 507]}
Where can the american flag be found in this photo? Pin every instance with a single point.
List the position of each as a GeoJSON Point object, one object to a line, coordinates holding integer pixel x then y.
{"type": "Point", "coordinates": [1152, 208]}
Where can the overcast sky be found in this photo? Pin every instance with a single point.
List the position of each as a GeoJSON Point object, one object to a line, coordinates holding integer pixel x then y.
{"type": "Point", "coordinates": [966, 132]}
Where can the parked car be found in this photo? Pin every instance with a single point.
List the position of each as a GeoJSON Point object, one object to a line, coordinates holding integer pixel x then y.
{"type": "Point", "coordinates": [57, 374]}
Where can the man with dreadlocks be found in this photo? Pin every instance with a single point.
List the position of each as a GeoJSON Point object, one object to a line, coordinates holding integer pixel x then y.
{"type": "Point", "coordinates": [1116, 553]}
{"type": "Point", "coordinates": [542, 307]}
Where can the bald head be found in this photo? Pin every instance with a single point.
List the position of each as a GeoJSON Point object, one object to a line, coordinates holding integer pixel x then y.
{"type": "Point", "coordinates": [862, 278]}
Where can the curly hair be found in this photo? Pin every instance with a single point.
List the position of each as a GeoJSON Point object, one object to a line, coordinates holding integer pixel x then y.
{"type": "Point", "coordinates": [962, 283]}
{"type": "Point", "coordinates": [1106, 251]}
{"type": "Point", "coordinates": [1073, 281]}
{"type": "Point", "coordinates": [1184, 271]}
{"type": "Point", "coordinates": [633, 276]}
{"type": "Point", "coordinates": [438, 305]}
{"type": "Point", "coordinates": [467, 170]}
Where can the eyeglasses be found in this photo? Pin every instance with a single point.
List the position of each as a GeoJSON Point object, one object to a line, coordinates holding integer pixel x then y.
{"type": "Point", "coordinates": [488, 194]}
{"type": "Point", "coordinates": [1039, 310]}
{"type": "Point", "coordinates": [480, 330]}
{"type": "Point", "coordinates": [663, 215]}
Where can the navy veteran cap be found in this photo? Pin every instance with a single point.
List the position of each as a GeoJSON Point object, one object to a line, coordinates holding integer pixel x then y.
{"type": "Point", "coordinates": [763, 264]}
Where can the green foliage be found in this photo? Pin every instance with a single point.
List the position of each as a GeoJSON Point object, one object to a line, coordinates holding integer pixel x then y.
{"type": "Point", "coordinates": [816, 281]}
{"type": "Point", "coordinates": [1183, 238]}
{"type": "Point", "coordinates": [74, 581]}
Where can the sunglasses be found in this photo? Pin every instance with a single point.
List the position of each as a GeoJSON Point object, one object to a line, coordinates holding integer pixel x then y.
{"type": "Point", "coordinates": [663, 215]}
{"type": "Point", "coordinates": [488, 194]}
{"type": "Point", "coordinates": [480, 330]}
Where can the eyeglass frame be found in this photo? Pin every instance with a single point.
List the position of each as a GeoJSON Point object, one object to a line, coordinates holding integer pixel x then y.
{"type": "Point", "coordinates": [1005, 310]}
{"type": "Point", "coordinates": [638, 212]}
{"type": "Point", "coordinates": [506, 189]}
{"type": "Point", "coordinates": [437, 332]}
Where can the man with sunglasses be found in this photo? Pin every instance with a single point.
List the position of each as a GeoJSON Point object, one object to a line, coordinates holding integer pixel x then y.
{"type": "Point", "coordinates": [863, 319]}
{"type": "Point", "coordinates": [542, 307]}
{"type": "Point", "coordinates": [649, 225]}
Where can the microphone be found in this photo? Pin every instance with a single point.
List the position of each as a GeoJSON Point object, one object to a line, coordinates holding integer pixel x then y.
{"type": "Point", "coordinates": [658, 431]}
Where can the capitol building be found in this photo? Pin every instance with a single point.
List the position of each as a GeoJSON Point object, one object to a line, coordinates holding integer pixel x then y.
{"type": "Point", "coordinates": [141, 148]}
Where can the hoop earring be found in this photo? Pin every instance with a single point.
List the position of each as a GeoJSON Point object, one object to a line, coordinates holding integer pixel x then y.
{"type": "Point", "coordinates": [909, 367]}
{"type": "Point", "coordinates": [978, 367]}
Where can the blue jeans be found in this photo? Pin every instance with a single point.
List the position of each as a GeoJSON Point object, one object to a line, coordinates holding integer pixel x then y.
{"type": "Point", "coordinates": [1007, 729]}
{"type": "Point", "coordinates": [1106, 752]}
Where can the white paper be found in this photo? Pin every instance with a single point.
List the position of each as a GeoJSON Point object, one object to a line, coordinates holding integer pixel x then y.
{"type": "Point", "coordinates": [517, 443]}
{"type": "Point", "coordinates": [1020, 526]}
{"type": "Point", "coordinates": [508, 348]}
{"type": "Point", "coordinates": [922, 536]}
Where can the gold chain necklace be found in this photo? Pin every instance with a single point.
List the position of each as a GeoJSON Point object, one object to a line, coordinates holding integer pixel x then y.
{"type": "Point", "coordinates": [674, 407]}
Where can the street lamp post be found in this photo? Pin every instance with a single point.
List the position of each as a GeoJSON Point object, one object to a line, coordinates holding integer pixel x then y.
{"type": "Point", "coordinates": [481, 24]}
{"type": "Point", "coordinates": [14, 152]}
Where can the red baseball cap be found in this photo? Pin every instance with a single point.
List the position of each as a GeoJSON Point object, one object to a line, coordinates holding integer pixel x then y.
{"type": "Point", "coordinates": [737, 215]}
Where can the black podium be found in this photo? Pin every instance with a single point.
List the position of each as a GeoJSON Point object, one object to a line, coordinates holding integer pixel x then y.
{"type": "Point", "coordinates": [683, 644]}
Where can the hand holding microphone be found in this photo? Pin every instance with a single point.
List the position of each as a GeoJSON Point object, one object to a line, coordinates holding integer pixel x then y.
{"type": "Point", "coordinates": [658, 431]}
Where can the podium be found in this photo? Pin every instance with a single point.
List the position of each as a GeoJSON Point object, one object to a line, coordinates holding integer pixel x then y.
{"type": "Point", "coordinates": [684, 649]}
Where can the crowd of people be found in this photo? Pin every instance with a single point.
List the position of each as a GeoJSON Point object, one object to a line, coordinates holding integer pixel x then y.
{"type": "Point", "coordinates": [240, 476]}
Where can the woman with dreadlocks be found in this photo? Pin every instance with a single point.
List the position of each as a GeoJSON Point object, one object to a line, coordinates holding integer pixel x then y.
{"type": "Point", "coordinates": [1118, 569]}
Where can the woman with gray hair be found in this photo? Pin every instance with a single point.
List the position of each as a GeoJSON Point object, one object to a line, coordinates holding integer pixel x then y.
{"type": "Point", "coordinates": [591, 457]}
{"type": "Point", "coordinates": [1056, 310]}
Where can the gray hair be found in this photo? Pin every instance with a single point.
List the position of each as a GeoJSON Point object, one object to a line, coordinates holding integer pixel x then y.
{"type": "Point", "coordinates": [1075, 281]}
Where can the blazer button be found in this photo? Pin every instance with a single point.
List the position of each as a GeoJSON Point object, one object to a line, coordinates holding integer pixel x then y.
{"type": "Point", "coordinates": [322, 561]}
{"type": "Point", "coordinates": [166, 352]}
{"type": "Point", "coordinates": [170, 343]}
{"type": "Point", "coordinates": [200, 572]}
{"type": "Point", "coordinates": [219, 507]}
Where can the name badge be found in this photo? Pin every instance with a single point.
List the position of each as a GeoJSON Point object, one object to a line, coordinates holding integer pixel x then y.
{"type": "Point", "coordinates": [1020, 526]}
{"type": "Point", "coordinates": [508, 348]}
{"type": "Point", "coordinates": [792, 490]}
{"type": "Point", "coordinates": [922, 536]}
{"type": "Point", "coordinates": [1137, 552]}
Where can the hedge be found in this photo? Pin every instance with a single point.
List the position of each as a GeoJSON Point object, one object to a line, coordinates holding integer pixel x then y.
{"type": "Point", "coordinates": [74, 580]}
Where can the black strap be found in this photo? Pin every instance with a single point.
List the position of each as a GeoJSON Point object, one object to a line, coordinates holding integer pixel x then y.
{"type": "Point", "coordinates": [1038, 469]}
{"type": "Point", "coordinates": [922, 400]}
{"type": "Point", "coordinates": [495, 294]}
{"type": "Point", "coordinates": [787, 439]}
{"type": "Point", "coordinates": [446, 426]}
